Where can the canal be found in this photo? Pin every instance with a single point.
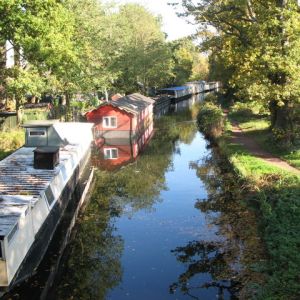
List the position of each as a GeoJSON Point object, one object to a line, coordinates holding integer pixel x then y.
{"type": "Point", "coordinates": [169, 225]}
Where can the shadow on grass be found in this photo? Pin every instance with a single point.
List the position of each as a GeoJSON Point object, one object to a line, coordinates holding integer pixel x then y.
{"type": "Point", "coordinates": [4, 153]}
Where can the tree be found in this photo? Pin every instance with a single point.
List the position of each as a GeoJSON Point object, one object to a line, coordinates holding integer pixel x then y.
{"type": "Point", "coordinates": [189, 63]}
{"type": "Point", "coordinates": [37, 30]}
{"type": "Point", "coordinates": [259, 43]}
{"type": "Point", "coordinates": [143, 56]}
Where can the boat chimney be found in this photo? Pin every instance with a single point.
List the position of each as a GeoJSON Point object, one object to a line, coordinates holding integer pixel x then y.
{"type": "Point", "coordinates": [46, 158]}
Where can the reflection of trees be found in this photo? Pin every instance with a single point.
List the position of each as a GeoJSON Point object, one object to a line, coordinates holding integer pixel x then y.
{"type": "Point", "coordinates": [242, 249]}
{"type": "Point", "coordinates": [94, 264]}
{"type": "Point", "coordinates": [140, 183]}
{"type": "Point", "coordinates": [203, 257]}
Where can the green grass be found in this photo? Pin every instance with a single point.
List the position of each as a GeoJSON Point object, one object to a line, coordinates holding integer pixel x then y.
{"type": "Point", "coordinates": [276, 195]}
{"type": "Point", "coordinates": [257, 128]}
{"type": "Point", "coordinates": [10, 141]}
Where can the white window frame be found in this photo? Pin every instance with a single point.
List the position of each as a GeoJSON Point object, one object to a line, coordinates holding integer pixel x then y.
{"type": "Point", "coordinates": [108, 153]}
{"type": "Point", "coordinates": [109, 118]}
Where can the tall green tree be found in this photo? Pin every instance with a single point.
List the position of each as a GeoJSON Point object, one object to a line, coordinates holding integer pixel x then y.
{"type": "Point", "coordinates": [38, 31]}
{"type": "Point", "coordinates": [259, 43]}
{"type": "Point", "coordinates": [189, 63]}
{"type": "Point", "coordinates": [143, 55]}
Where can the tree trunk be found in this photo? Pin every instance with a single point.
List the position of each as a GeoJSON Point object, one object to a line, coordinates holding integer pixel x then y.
{"type": "Point", "coordinates": [68, 107]}
{"type": "Point", "coordinates": [282, 123]}
{"type": "Point", "coordinates": [18, 110]}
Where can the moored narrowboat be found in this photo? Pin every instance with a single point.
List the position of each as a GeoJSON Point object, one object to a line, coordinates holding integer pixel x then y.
{"type": "Point", "coordinates": [36, 184]}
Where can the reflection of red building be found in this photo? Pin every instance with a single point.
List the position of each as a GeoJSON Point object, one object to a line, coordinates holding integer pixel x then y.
{"type": "Point", "coordinates": [114, 154]}
{"type": "Point", "coordinates": [129, 117]}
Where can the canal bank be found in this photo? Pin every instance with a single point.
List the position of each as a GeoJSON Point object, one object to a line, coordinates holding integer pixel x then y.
{"type": "Point", "coordinates": [167, 226]}
{"type": "Point", "coordinates": [272, 188]}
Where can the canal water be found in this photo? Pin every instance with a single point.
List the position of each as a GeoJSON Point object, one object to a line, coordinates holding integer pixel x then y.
{"type": "Point", "coordinates": [167, 225]}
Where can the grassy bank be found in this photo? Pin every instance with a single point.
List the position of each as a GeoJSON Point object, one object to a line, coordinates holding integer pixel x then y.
{"type": "Point", "coordinates": [275, 194]}
{"type": "Point", "coordinates": [257, 127]}
{"type": "Point", "coordinates": [10, 141]}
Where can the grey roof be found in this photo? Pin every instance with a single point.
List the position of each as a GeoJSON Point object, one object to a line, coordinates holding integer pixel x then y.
{"type": "Point", "coordinates": [40, 123]}
{"type": "Point", "coordinates": [133, 103]}
{"type": "Point", "coordinates": [18, 177]}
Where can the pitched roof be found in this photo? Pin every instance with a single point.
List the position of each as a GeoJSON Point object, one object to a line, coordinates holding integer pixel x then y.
{"type": "Point", "coordinates": [133, 103]}
{"type": "Point", "coordinates": [116, 97]}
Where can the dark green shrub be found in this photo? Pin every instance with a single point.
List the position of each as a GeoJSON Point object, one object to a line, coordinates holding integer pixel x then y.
{"type": "Point", "coordinates": [213, 98]}
{"type": "Point", "coordinates": [210, 120]}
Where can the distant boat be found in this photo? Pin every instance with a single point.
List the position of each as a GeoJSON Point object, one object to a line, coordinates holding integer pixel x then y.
{"type": "Point", "coordinates": [178, 93]}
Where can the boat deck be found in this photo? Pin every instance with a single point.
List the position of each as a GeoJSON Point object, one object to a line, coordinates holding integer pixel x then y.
{"type": "Point", "coordinates": [21, 184]}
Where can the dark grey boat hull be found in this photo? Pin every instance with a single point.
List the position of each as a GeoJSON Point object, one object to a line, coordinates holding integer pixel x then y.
{"type": "Point", "coordinates": [44, 236]}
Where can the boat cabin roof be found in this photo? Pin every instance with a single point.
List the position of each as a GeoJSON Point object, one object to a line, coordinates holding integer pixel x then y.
{"type": "Point", "coordinates": [21, 185]}
{"type": "Point", "coordinates": [40, 123]}
{"type": "Point", "coordinates": [176, 88]}
{"type": "Point", "coordinates": [11, 208]}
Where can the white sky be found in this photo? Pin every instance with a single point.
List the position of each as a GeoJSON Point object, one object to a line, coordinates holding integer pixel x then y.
{"type": "Point", "coordinates": [174, 26]}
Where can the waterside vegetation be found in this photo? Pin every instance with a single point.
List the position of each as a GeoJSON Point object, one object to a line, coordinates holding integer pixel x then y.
{"type": "Point", "coordinates": [266, 71]}
{"type": "Point", "coordinates": [273, 192]}
{"type": "Point", "coordinates": [89, 49]}
{"type": "Point", "coordinates": [10, 141]}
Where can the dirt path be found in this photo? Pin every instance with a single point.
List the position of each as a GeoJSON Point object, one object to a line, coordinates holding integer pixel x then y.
{"type": "Point", "coordinates": [239, 137]}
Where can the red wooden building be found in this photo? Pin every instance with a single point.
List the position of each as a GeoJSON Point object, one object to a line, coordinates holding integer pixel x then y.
{"type": "Point", "coordinates": [129, 117]}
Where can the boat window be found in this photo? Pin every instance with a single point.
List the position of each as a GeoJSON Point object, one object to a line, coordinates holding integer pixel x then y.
{"type": "Point", "coordinates": [64, 172]}
{"type": "Point", "coordinates": [109, 122]}
{"type": "Point", "coordinates": [37, 132]}
{"type": "Point", "coordinates": [1, 252]}
{"type": "Point", "coordinates": [111, 153]}
{"type": "Point", "coordinates": [13, 231]}
{"type": "Point", "coordinates": [49, 195]}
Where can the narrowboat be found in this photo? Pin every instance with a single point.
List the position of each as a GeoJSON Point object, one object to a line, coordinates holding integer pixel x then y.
{"type": "Point", "coordinates": [177, 93]}
{"type": "Point", "coordinates": [196, 86]}
{"type": "Point", "coordinates": [36, 185]}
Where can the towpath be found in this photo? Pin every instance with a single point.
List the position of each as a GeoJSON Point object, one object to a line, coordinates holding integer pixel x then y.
{"type": "Point", "coordinates": [239, 137]}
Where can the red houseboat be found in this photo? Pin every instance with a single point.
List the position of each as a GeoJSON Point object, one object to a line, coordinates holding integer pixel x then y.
{"type": "Point", "coordinates": [129, 117]}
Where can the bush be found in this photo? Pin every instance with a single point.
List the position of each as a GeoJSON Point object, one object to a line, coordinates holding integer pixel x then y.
{"type": "Point", "coordinates": [10, 141]}
{"type": "Point", "coordinates": [34, 114]}
{"type": "Point", "coordinates": [247, 110]}
{"type": "Point", "coordinates": [210, 120]}
{"type": "Point", "coordinates": [211, 97]}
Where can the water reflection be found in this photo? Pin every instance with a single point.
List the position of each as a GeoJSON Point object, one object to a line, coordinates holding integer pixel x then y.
{"type": "Point", "coordinates": [188, 103]}
{"type": "Point", "coordinates": [112, 154]}
{"type": "Point", "coordinates": [94, 258]}
{"type": "Point", "coordinates": [232, 264]}
{"type": "Point", "coordinates": [203, 258]}
{"type": "Point", "coordinates": [166, 225]}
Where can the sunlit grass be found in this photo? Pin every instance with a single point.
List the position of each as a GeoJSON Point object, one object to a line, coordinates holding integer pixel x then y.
{"type": "Point", "coordinates": [10, 141]}
{"type": "Point", "coordinates": [277, 197]}
{"type": "Point", "coordinates": [258, 129]}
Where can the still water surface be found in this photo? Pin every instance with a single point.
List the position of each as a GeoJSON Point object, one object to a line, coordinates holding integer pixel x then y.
{"type": "Point", "coordinates": [158, 228]}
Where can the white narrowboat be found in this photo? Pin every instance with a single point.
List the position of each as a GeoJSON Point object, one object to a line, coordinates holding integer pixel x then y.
{"type": "Point", "coordinates": [36, 184]}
